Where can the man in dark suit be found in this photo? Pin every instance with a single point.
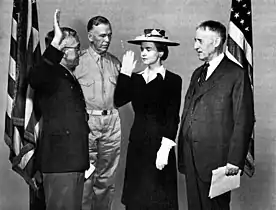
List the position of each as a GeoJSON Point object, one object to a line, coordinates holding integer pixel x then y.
{"type": "Point", "coordinates": [63, 147]}
{"type": "Point", "coordinates": [217, 119]}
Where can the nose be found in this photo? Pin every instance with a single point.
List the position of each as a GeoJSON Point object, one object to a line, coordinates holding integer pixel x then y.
{"type": "Point", "coordinates": [107, 39]}
{"type": "Point", "coordinates": [196, 45]}
{"type": "Point", "coordinates": [143, 53]}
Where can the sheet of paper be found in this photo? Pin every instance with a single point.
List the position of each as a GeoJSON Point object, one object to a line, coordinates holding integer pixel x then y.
{"type": "Point", "coordinates": [221, 183]}
{"type": "Point", "coordinates": [89, 171]}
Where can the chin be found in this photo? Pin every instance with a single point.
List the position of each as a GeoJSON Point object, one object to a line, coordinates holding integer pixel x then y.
{"type": "Point", "coordinates": [145, 61]}
{"type": "Point", "coordinates": [104, 50]}
{"type": "Point", "coordinates": [201, 58]}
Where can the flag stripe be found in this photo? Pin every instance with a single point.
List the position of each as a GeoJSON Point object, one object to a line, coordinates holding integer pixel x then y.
{"type": "Point", "coordinates": [9, 106]}
{"type": "Point", "coordinates": [13, 51]}
{"type": "Point", "coordinates": [8, 130]}
{"type": "Point", "coordinates": [238, 37]}
{"type": "Point", "coordinates": [12, 68]}
{"type": "Point", "coordinates": [14, 29]}
{"type": "Point", "coordinates": [11, 90]}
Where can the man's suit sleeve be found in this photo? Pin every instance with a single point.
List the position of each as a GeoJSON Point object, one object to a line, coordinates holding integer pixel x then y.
{"type": "Point", "coordinates": [42, 75]}
{"type": "Point", "coordinates": [243, 115]}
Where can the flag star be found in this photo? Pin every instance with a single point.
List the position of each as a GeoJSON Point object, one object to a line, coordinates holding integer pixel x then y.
{"type": "Point", "coordinates": [239, 0]}
{"type": "Point", "coordinates": [236, 15]}
{"type": "Point", "coordinates": [244, 5]}
{"type": "Point", "coordinates": [232, 9]}
{"type": "Point", "coordinates": [248, 13]}
{"type": "Point", "coordinates": [242, 22]}
{"type": "Point", "coordinates": [247, 29]}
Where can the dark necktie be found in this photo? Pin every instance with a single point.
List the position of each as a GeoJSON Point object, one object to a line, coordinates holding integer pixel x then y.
{"type": "Point", "coordinates": [203, 74]}
{"type": "Point", "coordinates": [159, 77]}
{"type": "Point", "coordinates": [101, 61]}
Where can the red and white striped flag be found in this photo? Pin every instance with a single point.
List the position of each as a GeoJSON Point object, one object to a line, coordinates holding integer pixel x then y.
{"type": "Point", "coordinates": [239, 48]}
{"type": "Point", "coordinates": [21, 120]}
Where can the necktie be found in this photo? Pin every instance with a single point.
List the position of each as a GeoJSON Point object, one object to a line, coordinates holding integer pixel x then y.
{"type": "Point", "coordinates": [159, 77]}
{"type": "Point", "coordinates": [101, 61]}
{"type": "Point", "coordinates": [203, 74]}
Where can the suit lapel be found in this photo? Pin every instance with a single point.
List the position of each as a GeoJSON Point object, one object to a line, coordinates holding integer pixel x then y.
{"type": "Point", "coordinates": [213, 79]}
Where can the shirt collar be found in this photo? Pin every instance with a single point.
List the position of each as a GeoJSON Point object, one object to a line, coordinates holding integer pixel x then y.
{"type": "Point", "coordinates": [160, 70]}
{"type": "Point", "coordinates": [215, 62]}
{"type": "Point", "coordinates": [94, 54]}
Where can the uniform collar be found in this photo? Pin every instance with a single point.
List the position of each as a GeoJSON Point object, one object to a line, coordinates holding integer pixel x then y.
{"type": "Point", "coordinates": [95, 55]}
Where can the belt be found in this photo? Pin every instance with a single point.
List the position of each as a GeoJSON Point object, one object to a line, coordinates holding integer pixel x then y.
{"type": "Point", "coordinates": [99, 112]}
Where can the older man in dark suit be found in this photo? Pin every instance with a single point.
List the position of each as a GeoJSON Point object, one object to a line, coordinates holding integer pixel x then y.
{"type": "Point", "coordinates": [63, 147]}
{"type": "Point", "coordinates": [217, 120]}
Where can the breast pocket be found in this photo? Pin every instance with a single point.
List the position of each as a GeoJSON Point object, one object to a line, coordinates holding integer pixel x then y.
{"type": "Point", "coordinates": [88, 88]}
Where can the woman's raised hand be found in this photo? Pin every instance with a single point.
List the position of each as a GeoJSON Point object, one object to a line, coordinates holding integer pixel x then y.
{"type": "Point", "coordinates": [128, 63]}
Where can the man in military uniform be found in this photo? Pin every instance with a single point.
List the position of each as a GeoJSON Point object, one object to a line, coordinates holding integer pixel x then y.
{"type": "Point", "coordinates": [97, 73]}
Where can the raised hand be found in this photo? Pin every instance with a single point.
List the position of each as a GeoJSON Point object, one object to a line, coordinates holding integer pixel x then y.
{"type": "Point", "coordinates": [58, 33]}
{"type": "Point", "coordinates": [128, 63]}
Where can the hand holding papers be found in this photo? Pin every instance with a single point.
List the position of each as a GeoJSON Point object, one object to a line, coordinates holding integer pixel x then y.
{"type": "Point", "coordinates": [221, 183]}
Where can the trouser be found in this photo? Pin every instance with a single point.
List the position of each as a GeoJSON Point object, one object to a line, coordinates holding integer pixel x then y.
{"type": "Point", "coordinates": [63, 191]}
{"type": "Point", "coordinates": [104, 154]}
{"type": "Point", "coordinates": [198, 190]}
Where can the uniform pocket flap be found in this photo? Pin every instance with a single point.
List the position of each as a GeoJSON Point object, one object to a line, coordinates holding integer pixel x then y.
{"type": "Point", "coordinates": [87, 83]}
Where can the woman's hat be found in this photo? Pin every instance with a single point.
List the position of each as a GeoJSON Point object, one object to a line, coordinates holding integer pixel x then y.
{"type": "Point", "coordinates": [153, 35]}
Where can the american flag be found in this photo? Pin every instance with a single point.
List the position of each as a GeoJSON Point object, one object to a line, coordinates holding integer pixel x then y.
{"type": "Point", "coordinates": [239, 48]}
{"type": "Point", "coordinates": [21, 120]}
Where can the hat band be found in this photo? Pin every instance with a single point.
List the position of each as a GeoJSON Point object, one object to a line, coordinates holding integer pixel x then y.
{"type": "Point", "coordinates": [155, 35]}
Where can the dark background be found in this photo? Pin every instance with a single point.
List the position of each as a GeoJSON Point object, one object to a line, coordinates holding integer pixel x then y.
{"type": "Point", "coordinates": [179, 18]}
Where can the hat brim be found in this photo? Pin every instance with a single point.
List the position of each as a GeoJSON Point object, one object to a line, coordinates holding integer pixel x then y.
{"type": "Point", "coordinates": [138, 40]}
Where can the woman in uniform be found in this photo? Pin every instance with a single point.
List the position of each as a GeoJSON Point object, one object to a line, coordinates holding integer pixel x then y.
{"type": "Point", "coordinates": [155, 93]}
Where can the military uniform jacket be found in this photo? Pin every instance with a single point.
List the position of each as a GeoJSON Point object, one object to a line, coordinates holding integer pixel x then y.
{"type": "Point", "coordinates": [63, 146]}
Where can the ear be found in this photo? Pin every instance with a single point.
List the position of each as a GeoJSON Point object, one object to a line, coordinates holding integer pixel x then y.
{"type": "Point", "coordinates": [217, 41]}
{"type": "Point", "coordinates": [161, 54]}
{"type": "Point", "coordinates": [90, 36]}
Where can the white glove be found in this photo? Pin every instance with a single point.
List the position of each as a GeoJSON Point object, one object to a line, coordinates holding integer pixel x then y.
{"type": "Point", "coordinates": [163, 153]}
{"type": "Point", "coordinates": [128, 63]}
